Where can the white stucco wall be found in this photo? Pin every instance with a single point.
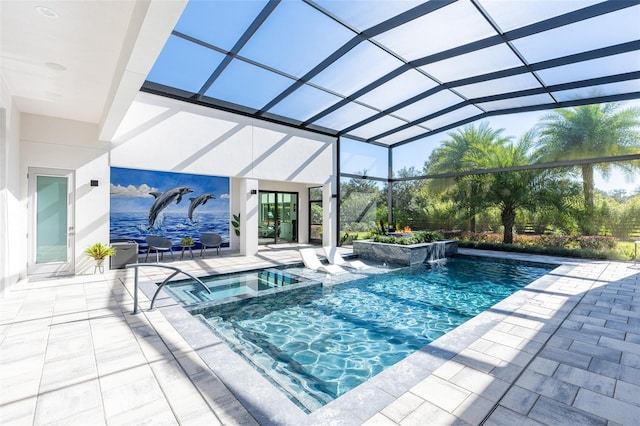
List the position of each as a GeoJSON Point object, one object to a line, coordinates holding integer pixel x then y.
{"type": "Point", "coordinates": [164, 134]}
{"type": "Point", "coordinates": [12, 211]}
{"type": "Point", "coordinates": [169, 135]}
{"type": "Point", "coordinates": [156, 134]}
{"type": "Point", "coordinates": [72, 145]}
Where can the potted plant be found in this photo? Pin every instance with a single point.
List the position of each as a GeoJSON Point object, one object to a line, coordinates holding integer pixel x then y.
{"type": "Point", "coordinates": [186, 241]}
{"type": "Point", "coordinates": [99, 252]}
{"type": "Point", "coordinates": [236, 224]}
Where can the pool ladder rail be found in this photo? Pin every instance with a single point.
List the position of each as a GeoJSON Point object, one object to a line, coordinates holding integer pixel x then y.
{"type": "Point", "coordinates": [176, 270]}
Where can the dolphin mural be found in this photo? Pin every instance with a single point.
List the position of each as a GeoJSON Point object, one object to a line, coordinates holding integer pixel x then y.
{"type": "Point", "coordinates": [163, 200]}
{"type": "Point", "coordinates": [199, 200]}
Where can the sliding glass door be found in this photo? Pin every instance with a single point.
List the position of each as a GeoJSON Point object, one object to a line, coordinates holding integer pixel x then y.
{"type": "Point", "coordinates": [278, 217]}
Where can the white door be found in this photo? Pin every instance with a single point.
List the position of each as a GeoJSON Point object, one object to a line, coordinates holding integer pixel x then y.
{"type": "Point", "coordinates": [51, 229]}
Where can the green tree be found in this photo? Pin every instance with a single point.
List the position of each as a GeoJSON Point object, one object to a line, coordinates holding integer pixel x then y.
{"type": "Point", "coordinates": [564, 220]}
{"type": "Point", "coordinates": [359, 199]}
{"type": "Point", "coordinates": [409, 205]}
{"type": "Point", "coordinates": [511, 191]}
{"type": "Point", "coordinates": [316, 213]}
{"type": "Point", "coordinates": [591, 131]}
{"type": "Point", "coordinates": [453, 156]}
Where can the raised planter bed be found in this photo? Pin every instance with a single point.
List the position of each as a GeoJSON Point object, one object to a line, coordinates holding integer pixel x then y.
{"type": "Point", "coordinates": [407, 255]}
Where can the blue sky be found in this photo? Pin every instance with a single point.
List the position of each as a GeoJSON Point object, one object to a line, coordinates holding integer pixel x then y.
{"type": "Point", "coordinates": [282, 42]}
{"type": "Point", "coordinates": [515, 125]}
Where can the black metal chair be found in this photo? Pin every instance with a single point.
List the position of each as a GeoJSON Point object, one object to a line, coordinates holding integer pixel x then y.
{"type": "Point", "coordinates": [159, 245]}
{"type": "Point", "coordinates": [210, 240]}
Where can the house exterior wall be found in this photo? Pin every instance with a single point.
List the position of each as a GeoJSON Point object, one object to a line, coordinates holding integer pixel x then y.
{"type": "Point", "coordinates": [71, 145]}
{"type": "Point", "coordinates": [164, 134]}
{"type": "Point", "coordinates": [156, 134]}
{"type": "Point", "coordinates": [12, 228]}
{"type": "Point", "coordinates": [159, 133]}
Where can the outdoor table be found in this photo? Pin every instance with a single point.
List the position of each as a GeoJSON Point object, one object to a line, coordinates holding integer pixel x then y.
{"type": "Point", "coordinates": [184, 247]}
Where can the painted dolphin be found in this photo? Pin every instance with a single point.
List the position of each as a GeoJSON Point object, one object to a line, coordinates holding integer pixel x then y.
{"type": "Point", "coordinates": [199, 200]}
{"type": "Point", "coordinates": [163, 200]}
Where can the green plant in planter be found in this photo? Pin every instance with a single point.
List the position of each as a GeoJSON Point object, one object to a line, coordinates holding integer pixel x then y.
{"type": "Point", "coordinates": [417, 238]}
{"type": "Point", "coordinates": [186, 241]}
{"type": "Point", "coordinates": [236, 224]}
{"type": "Point", "coordinates": [100, 251]}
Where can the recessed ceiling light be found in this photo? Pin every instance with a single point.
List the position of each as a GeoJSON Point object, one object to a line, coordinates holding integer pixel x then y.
{"type": "Point", "coordinates": [45, 11]}
{"type": "Point", "coordinates": [54, 66]}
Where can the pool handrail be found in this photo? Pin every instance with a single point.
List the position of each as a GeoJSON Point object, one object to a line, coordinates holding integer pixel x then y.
{"type": "Point", "coordinates": [166, 281]}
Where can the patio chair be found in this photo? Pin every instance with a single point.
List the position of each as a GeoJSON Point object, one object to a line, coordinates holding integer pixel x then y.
{"type": "Point", "coordinates": [311, 261]}
{"type": "Point", "coordinates": [159, 245]}
{"type": "Point", "coordinates": [210, 240]}
{"type": "Point", "coordinates": [336, 258]}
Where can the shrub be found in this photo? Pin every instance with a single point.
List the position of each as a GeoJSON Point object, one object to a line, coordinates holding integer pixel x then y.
{"type": "Point", "coordinates": [550, 251]}
{"type": "Point", "coordinates": [387, 239]}
{"type": "Point", "coordinates": [482, 237]}
{"type": "Point", "coordinates": [417, 238]}
{"type": "Point", "coordinates": [597, 242]}
{"type": "Point", "coordinates": [545, 241]}
{"type": "Point", "coordinates": [429, 236]}
{"type": "Point", "coordinates": [553, 240]}
{"type": "Point", "coordinates": [526, 240]}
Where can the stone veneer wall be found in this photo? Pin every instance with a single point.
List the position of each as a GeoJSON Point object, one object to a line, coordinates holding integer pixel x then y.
{"type": "Point", "coordinates": [408, 255]}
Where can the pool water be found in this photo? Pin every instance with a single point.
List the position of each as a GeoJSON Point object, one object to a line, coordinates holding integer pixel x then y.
{"type": "Point", "coordinates": [229, 287]}
{"type": "Point", "coordinates": [316, 343]}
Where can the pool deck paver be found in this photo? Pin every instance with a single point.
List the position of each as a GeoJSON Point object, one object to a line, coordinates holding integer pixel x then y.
{"type": "Point", "coordinates": [564, 351]}
{"type": "Point", "coordinates": [568, 375]}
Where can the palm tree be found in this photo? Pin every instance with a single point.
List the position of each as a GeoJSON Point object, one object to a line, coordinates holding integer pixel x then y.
{"type": "Point", "coordinates": [514, 190]}
{"type": "Point", "coordinates": [591, 131]}
{"type": "Point", "coordinates": [452, 156]}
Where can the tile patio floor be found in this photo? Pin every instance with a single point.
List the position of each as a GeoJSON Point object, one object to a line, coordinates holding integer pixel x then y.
{"type": "Point", "coordinates": [564, 351]}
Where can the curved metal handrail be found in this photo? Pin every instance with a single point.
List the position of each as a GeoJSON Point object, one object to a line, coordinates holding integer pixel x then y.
{"type": "Point", "coordinates": [166, 281]}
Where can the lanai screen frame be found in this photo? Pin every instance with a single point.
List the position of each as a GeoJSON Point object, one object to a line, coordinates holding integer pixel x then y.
{"type": "Point", "coordinates": [512, 54]}
{"type": "Point", "coordinates": [386, 33]}
{"type": "Point", "coordinates": [390, 179]}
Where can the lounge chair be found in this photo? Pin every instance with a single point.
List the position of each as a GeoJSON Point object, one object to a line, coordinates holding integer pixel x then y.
{"type": "Point", "coordinates": [159, 245]}
{"type": "Point", "coordinates": [335, 258]}
{"type": "Point", "coordinates": [210, 240]}
{"type": "Point", "coordinates": [311, 261]}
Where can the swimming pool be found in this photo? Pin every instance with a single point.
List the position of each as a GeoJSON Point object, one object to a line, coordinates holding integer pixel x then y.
{"type": "Point", "coordinates": [232, 287]}
{"type": "Point", "coordinates": [317, 343]}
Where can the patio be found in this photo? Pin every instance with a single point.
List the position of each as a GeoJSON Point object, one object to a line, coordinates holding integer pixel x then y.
{"type": "Point", "coordinates": [288, 97]}
{"type": "Point", "coordinates": [563, 351]}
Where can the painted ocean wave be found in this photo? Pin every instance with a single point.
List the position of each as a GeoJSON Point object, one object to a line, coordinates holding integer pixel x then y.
{"type": "Point", "coordinates": [132, 226]}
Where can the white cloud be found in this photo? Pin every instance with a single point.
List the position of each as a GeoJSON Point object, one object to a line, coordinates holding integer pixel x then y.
{"type": "Point", "coordinates": [131, 191]}
{"type": "Point", "coordinates": [224, 196]}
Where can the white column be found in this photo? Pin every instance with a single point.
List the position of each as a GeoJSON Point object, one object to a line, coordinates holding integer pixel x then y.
{"type": "Point", "coordinates": [248, 216]}
{"type": "Point", "coordinates": [234, 208]}
{"type": "Point", "coordinates": [329, 214]}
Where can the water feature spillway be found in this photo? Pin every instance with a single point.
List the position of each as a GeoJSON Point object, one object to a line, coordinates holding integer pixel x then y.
{"type": "Point", "coordinates": [437, 251]}
{"type": "Point", "coordinates": [399, 254]}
